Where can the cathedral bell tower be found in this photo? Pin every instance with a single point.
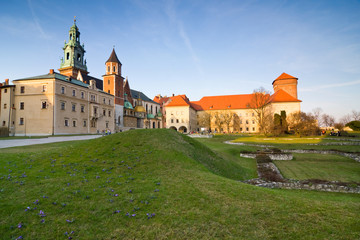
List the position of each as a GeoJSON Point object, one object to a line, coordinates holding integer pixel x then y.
{"type": "Point", "coordinates": [73, 60]}
{"type": "Point", "coordinates": [113, 81]}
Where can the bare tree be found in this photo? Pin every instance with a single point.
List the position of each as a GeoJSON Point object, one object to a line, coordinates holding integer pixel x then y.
{"type": "Point", "coordinates": [303, 124]}
{"type": "Point", "coordinates": [328, 121]}
{"type": "Point", "coordinates": [259, 103]}
{"type": "Point", "coordinates": [316, 112]}
{"type": "Point", "coordinates": [356, 115]}
{"type": "Point", "coordinates": [204, 120]}
{"type": "Point", "coordinates": [218, 120]}
{"type": "Point", "coordinates": [236, 122]}
{"type": "Point", "coordinates": [228, 119]}
{"type": "Point", "coordinates": [345, 119]}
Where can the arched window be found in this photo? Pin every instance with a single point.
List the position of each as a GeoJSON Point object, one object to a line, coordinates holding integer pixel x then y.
{"type": "Point", "coordinates": [151, 109]}
{"type": "Point", "coordinates": [108, 68]}
{"type": "Point", "coordinates": [114, 69]}
{"type": "Point", "coordinates": [156, 110]}
{"type": "Point", "coordinates": [70, 36]}
{"type": "Point", "coordinates": [67, 56]}
{"type": "Point", "coordinates": [154, 125]}
{"type": "Point", "coordinates": [158, 124]}
{"type": "Point", "coordinates": [146, 108]}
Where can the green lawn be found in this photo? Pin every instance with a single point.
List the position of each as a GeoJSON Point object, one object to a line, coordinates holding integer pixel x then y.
{"type": "Point", "coordinates": [90, 187]}
{"type": "Point", "coordinates": [320, 166]}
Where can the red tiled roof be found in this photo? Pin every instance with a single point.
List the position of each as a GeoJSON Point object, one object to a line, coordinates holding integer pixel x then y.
{"type": "Point", "coordinates": [179, 100]}
{"type": "Point", "coordinates": [223, 102]}
{"type": "Point", "coordinates": [284, 76]}
{"type": "Point", "coordinates": [282, 96]}
{"type": "Point", "coordinates": [162, 100]}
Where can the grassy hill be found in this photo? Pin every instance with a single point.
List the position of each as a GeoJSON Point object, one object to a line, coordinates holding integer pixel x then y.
{"type": "Point", "coordinates": [155, 184]}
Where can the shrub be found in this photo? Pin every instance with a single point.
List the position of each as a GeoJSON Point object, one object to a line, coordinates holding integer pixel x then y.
{"type": "Point", "coordinates": [354, 125]}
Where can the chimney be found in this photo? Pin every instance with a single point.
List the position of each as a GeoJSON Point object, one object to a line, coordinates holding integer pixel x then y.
{"type": "Point", "coordinates": [173, 95]}
{"type": "Point", "coordinates": [7, 81]}
{"type": "Point", "coordinates": [51, 71]}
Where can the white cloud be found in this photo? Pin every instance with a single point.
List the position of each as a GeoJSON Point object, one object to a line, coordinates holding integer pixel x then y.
{"type": "Point", "coordinates": [344, 84]}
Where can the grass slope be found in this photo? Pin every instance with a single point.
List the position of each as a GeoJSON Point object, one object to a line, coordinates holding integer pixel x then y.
{"type": "Point", "coordinates": [98, 186]}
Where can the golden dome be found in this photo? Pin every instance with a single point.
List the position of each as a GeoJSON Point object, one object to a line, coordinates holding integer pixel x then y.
{"type": "Point", "coordinates": [140, 109]}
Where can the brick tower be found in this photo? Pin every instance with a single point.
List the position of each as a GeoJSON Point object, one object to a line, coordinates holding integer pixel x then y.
{"type": "Point", "coordinates": [287, 83]}
{"type": "Point", "coordinates": [113, 83]}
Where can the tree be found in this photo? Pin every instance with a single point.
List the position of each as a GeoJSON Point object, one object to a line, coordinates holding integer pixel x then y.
{"type": "Point", "coordinates": [236, 122]}
{"type": "Point", "coordinates": [218, 120]}
{"type": "Point", "coordinates": [223, 118]}
{"type": "Point", "coordinates": [328, 121]}
{"type": "Point", "coordinates": [228, 119]}
{"type": "Point", "coordinates": [356, 115]}
{"type": "Point", "coordinates": [345, 119]}
{"type": "Point", "coordinates": [204, 120]}
{"type": "Point", "coordinates": [339, 125]}
{"type": "Point", "coordinates": [303, 124]}
{"type": "Point", "coordinates": [280, 123]}
{"type": "Point", "coordinates": [316, 112]}
{"type": "Point", "coordinates": [259, 103]}
{"type": "Point", "coordinates": [354, 125]}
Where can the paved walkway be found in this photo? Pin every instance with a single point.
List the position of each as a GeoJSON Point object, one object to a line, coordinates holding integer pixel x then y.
{"type": "Point", "coordinates": [29, 141]}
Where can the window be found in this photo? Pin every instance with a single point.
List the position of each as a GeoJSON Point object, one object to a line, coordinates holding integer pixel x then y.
{"type": "Point", "coordinates": [247, 121]}
{"type": "Point", "coordinates": [177, 120]}
{"type": "Point", "coordinates": [70, 36]}
{"type": "Point", "coordinates": [4, 123]}
{"type": "Point", "coordinates": [74, 123]}
{"type": "Point", "coordinates": [74, 92]}
{"type": "Point", "coordinates": [22, 105]}
{"type": "Point", "coordinates": [22, 89]}
{"type": "Point", "coordinates": [82, 95]}
{"type": "Point", "coordinates": [107, 124]}
{"type": "Point", "coordinates": [73, 107]}
{"type": "Point", "coordinates": [66, 123]}
{"type": "Point", "coordinates": [114, 69]}
{"type": "Point", "coordinates": [62, 105]}
{"type": "Point", "coordinates": [240, 121]}
{"type": "Point", "coordinates": [151, 109]}
{"type": "Point", "coordinates": [95, 110]}
{"type": "Point", "coordinates": [44, 88]}
{"type": "Point", "coordinates": [21, 122]}
{"type": "Point", "coordinates": [108, 81]}
{"type": "Point", "coordinates": [172, 120]}
{"type": "Point", "coordinates": [253, 114]}
{"type": "Point", "coordinates": [109, 113]}
{"type": "Point", "coordinates": [92, 98]}
{"type": "Point", "coordinates": [82, 108]}
{"type": "Point", "coordinates": [5, 105]}
{"type": "Point", "coordinates": [253, 129]}
{"type": "Point", "coordinates": [62, 90]}
{"type": "Point", "coordinates": [104, 100]}
{"type": "Point", "coordinates": [84, 123]}
{"type": "Point", "coordinates": [79, 57]}
{"type": "Point", "coordinates": [104, 112]}
{"type": "Point", "coordinates": [5, 90]}
{"type": "Point", "coordinates": [247, 129]}
{"type": "Point", "coordinates": [109, 102]}
{"type": "Point", "coordinates": [253, 121]}
{"type": "Point", "coordinates": [43, 105]}
{"type": "Point", "coordinates": [67, 56]}
{"type": "Point", "coordinates": [108, 91]}
{"type": "Point", "coordinates": [109, 70]}
{"type": "Point", "coordinates": [240, 129]}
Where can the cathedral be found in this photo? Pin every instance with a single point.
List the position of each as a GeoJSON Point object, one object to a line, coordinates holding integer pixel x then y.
{"type": "Point", "coordinates": [73, 102]}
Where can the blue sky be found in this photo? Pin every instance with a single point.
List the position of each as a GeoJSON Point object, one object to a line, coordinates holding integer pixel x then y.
{"type": "Point", "coordinates": [197, 48]}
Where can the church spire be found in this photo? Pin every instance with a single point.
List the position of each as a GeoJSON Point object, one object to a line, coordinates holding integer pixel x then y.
{"type": "Point", "coordinates": [73, 60]}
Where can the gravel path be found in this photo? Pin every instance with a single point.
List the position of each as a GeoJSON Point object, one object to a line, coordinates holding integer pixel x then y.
{"type": "Point", "coordinates": [25, 142]}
